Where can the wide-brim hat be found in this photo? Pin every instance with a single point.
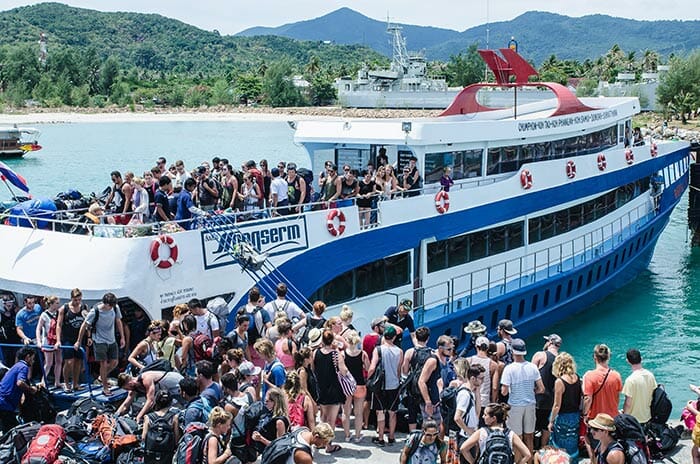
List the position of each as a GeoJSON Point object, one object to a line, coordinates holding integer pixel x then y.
{"type": "Point", "coordinates": [315, 338]}
{"type": "Point", "coordinates": [475, 327]}
{"type": "Point", "coordinates": [603, 422]}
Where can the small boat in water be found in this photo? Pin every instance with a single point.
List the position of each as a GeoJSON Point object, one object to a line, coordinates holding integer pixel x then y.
{"type": "Point", "coordinates": [552, 209]}
{"type": "Point", "coordinates": [15, 141]}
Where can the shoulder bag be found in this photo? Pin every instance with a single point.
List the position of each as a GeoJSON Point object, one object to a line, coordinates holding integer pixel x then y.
{"type": "Point", "coordinates": [347, 381]}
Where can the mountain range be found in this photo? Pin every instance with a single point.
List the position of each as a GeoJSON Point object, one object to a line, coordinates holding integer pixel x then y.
{"type": "Point", "coordinates": [539, 35]}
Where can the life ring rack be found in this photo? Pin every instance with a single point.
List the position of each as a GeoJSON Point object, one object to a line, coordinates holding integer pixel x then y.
{"type": "Point", "coordinates": [168, 262]}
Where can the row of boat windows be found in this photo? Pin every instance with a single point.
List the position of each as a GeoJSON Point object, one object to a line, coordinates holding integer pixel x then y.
{"type": "Point", "coordinates": [565, 220]}
{"type": "Point", "coordinates": [554, 295]}
{"type": "Point", "coordinates": [443, 254]}
{"type": "Point", "coordinates": [377, 276]}
{"type": "Point", "coordinates": [509, 159]}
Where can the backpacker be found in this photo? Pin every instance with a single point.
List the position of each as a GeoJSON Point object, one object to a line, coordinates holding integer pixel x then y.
{"type": "Point", "coordinates": [190, 448]}
{"type": "Point", "coordinates": [14, 443]}
{"type": "Point", "coordinates": [660, 405]}
{"type": "Point", "coordinates": [630, 435]}
{"type": "Point", "coordinates": [279, 451]}
{"type": "Point", "coordinates": [418, 360]}
{"type": "Point", "coordinates": [308, 177]}
{"type": "Point", "coordinates": [497, 449]}
{"type": "Point", "coordinates": [160, 438]}
{"type": "Point", "coordinates": [46, 445]}
{"type": "Point", "coordinates": [448, 405]}
{"type": "Point", "coordinates": [413, 441]}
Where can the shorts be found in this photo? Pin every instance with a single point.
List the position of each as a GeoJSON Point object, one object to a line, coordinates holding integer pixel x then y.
{"type": "Point", "coordinates": [360, 392]}
{"type": "Point", "coordinates": [386, 400]}
{"type": "Point", "coordinates": [72, 353]}
{"type": "Point", "coordinates": [106, 351]}
{"type": "Point", "coordinates": [521, 419]}
{"type": "Point", "coordinates": [542, 418]}
{"type": "Point", "coordinates": [436, 416]}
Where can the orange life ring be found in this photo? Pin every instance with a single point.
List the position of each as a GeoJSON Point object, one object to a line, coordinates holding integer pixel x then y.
{"type": "Point", "coordinates": [602, 162]}
{"type": "Point", "coordinates": [155, 252]}
{"type": "Point", "coordinates": [654, 150]}
{"type": "Point", "coordinates": [442, 201]}
{"type": "Point", "coordinates": [330, 222]}
{"type": "Point", "coordinates": [570, 169]}
{"type": "Point", "coordinates": [526, 179]}
{"type": "Point", "coordinates": [629, 156]}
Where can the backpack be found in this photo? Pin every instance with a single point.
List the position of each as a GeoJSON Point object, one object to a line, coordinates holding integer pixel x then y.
{"type": "Point", "coordinates": [448, 405]}
{"type": "Point", "coordinates": [93, 327]}
{"type": "Point", "coordinates": [630, 435]}
{"type": "Point", "coordinates": [661, 439]}
{"type": "Point", "coordinates": [160, 364]}
{"type": "Point", "coordinates": [280, 450]}
{"type": "Point", "coordinates": [93, 451]}
{"type": "Point", "coordinates": [218, 308]}
{"type": "Point", "coordinates": [497, 449]}
{"type": "Point", "coordinates": [418, 360]}
{"type": "Point", "coordinates": [308, 177]}
{"type": "Point", "coordinates": [203, 347]}
{"type": "Point", "coordinates": [660, 405]}
{"type": "Point", "coordinates": [51, 334]}
{"type": "Point", "coordinates": [258, 324]}
{"type": "Point", "coordinates": [46, 445]}
{"type": "Point", "coordinates": [38, 407]}
{"type": "Point", "coordinates": [253, 414]}
{"type": "Point", "coordinates": [160, 438]}
{"type": "Point", "coordinates": [14, 443]}
{"type": "Point", "coordinates": [190, 448]}
{"type": "Point", "coordinates": [88, 409]}
{"type": "Point", "coordinates": [413, 442]}
{"type": "Point", "coordinates": [375, 382]}
{"type": "Point", "coordinates": [297, 415]}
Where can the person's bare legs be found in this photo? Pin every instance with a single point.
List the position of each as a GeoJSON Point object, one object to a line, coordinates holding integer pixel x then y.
{"type": "Point", "coordinates": [359, 422]}
{"type": "Point", "coordinates": [529, 441]}
{"type": "Point", "coordinates": [57, 368]}
{"type": "Point", "coordinates": [347, 408]}
{"type": "Point", "coordinates": [329, 414]}
{"type": "Point", "coordinates": [380, 424]}
{"type": "Point", "coordinates": [392, 425]}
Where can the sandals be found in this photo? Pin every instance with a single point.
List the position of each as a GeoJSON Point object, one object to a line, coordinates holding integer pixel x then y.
{"type": "Point", "coordinates": [106, 392]}
{"type": "Point", "coordinates": [333, 448]}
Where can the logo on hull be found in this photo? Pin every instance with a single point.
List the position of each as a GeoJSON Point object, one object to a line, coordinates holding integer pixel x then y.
{"type": "Point", "coordinates": [276, 237]}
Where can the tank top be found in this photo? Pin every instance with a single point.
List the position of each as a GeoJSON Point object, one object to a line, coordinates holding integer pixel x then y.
{"type": "Point", "coordinates": [329, 187]}
{"type": "Point", "coordinates": [485, 389]}
{"type": "Point", "coordinates": [391, 355]}
{"type": "Point", "coordinates": [507, 357]}
{"type": "Point", "coordinates": [71, 323]}
{"type": "Point", "coordinates": [118, 197]}
{"type": "Point", "coordinates": [346, 189]}
{"type": "Point", "coordinates": [546, 400]}
{"type": "Point", "coordinates": [354, 365]}
{"type": "Point", "coordinates": [286, 359]}
{"type": "Point", "coordinates": [571, 398]}
{"type": "Point", "coordinates": [293, 191]}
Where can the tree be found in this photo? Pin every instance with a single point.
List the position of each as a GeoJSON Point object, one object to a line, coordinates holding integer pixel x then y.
{"type": "Point", "coordinates": [323, 91]}
{"type": "Point", "coordinates": [248, 86]}
{"type": "Point", "coordinates": [650, 60]}
{"type": "Point", "coordinates": [109, 73]}
{"type": "Point", "coordinates": [463, 70]}
{"type": "Point", "coordinates": [278, 88]}
{"type": "Point", "coordinates": [679, 89]}
{"type": "Point", "coordinates": [313, 66]}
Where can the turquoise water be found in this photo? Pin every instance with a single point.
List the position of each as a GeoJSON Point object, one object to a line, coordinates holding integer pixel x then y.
{"type": "Point", "coordinates": [656, 313]}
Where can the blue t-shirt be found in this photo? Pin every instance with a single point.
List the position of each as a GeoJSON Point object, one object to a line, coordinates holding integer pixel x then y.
{"type": "Point", "coordinates": [184, 203]}
{"type": "Point", "coordinates": [28, 320]}
{"type": "Point", "coordinates": [212, 393]}
{"type": "Point", "coordinates": [10, 393]}
{"type": "Point", "coordinates": [161, 198]}
{"type": "Point", "coordinates": [392, 316]}
{"type": "Point", "coordinates": [277, 375]}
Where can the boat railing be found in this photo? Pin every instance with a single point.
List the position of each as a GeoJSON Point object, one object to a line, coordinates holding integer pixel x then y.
{"type": "Point", "coordinates": [494, 281]}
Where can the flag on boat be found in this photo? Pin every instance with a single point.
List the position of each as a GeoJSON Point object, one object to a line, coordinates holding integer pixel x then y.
{"type": "Point", "coordinates": [7, 174]}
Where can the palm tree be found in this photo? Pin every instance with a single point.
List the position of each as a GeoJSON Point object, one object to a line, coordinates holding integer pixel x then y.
{"type": "Point", "coordinates": [650, 61]}
{"type": "Point", "coordinates": [313, 66]}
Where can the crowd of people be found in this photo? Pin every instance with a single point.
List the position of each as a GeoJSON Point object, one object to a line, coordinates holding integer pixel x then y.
{"type": "Point", "coordinates": [175, 193]}
{"type": "Point", "coordinates": [316, 373]}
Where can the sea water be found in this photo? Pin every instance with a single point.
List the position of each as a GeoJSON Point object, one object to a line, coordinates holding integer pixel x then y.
{"type": "Point", "coordinates": [657, 313]}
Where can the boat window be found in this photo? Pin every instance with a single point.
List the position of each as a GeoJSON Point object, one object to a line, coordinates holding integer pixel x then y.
{"type": "Point", "coordinates": [437, 255]}
{"type": "Point", "coordinates": [515, 235]}
{"type": "Point", "coordinates": [464, 164]}
{"type": "Point", "coordinates": [565, 220]}
{"type": "Point", "coordinates": [356, 158]}
{"type": "Point", "coordinates": [375, 277]}
{"type": "Point", "coordinates": [478, 245]}
{"type": "Point", "coordinates": [497, 240]}
{"type": "Point", "coordinates": [458, 251]}
{"type": "Point", "coordinates": [494, 161]}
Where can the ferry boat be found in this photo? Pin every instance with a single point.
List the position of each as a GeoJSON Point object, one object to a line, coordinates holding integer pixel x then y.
{"type": "Point", "coordinates": [551, 210]}
{"type": "Point", "coordinates": [15, 141]}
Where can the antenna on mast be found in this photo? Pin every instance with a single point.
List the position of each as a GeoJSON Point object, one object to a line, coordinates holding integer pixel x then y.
{"type": "Point", "coordinates": [486, 68]}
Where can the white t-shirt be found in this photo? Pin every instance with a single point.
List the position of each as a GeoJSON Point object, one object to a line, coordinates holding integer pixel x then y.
{"type": "Point", "coordinates": [207, 323]}
{"type": "Point", "coordinates": [520, 378]}
{"type": "Point", "coordinates": [289, 307]}
{"type": "Point", "coordinates": [466, 401]}
{"type": "Point", "coordinates": [279, 186]}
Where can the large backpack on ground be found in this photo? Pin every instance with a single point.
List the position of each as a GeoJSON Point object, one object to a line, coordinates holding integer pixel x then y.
{"type": "Point", "coordinates": [661, 439]}
{"type": "Point", "coordinates": [190, 448]}
{"type": "Point", "coordinates": [448, 405]}
{"type": "Point", "coordinates": [46, 445]}
{"type": "Point", "coordinates": [418, 360]}
{"type": "Point", "coordinates": [160, 438]}
{"type": "Point", "coordinates": [93, 451]}
{"type": "Point", "coordinates": [497, 449]}
{"type": "Point", "coordinates": [88, 409]}
{"type": "Point", "coordinates": [14, 443]}
{"type": "Point", "coordinates": [279, 451]}
{"type": "Point", "coordinates": [630, 434]}
{"type": "Point", "coordinates": [661, 405]}
{"type": "Point", "coordinates": [38, 407]}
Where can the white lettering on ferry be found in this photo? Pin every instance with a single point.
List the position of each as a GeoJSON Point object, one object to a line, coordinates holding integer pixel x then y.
{"type": "Point", "coordinates": [566, 121]}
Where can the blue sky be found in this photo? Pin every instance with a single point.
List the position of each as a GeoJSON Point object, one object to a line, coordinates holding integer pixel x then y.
{"type": "Point", "coordinates": [231, 16]}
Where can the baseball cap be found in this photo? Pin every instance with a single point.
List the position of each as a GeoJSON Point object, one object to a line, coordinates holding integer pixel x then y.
{"type": "Point", "coordinates": [248, 368]}
{"type": "Point", "coordinates": [554, 339]}
{"type": "Point", "coordinates": [377, 321]}
{"type": "Point", "coordinates": [275, 172]}
{"type": "Point", "coordinates": [407, 304]}
{"type": "Point", "coordinates": [506, 325]}
{"type": "Point", "coordinates": [519, 347]}
{"type": "Point", "coordinates": [481, 341]}
{"type": "Point", "coordinates": [390, 331]}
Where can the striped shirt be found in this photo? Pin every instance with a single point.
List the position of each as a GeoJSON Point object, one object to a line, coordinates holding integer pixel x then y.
{"type": "Point", "coordinates": [520, 377]}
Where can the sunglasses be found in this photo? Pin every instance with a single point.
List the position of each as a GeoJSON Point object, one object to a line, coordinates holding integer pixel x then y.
{"type": "Point", "coordinates": [432, 435]}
